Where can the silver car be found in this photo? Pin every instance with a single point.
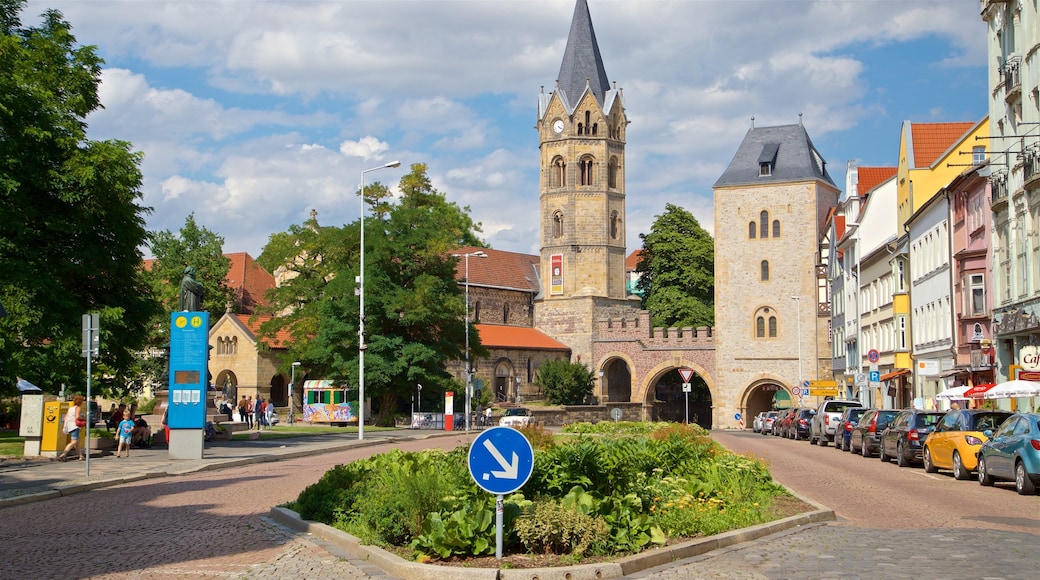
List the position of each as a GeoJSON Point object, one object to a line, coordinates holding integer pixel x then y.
{"type": "Point", "coordinates": [826, 420]}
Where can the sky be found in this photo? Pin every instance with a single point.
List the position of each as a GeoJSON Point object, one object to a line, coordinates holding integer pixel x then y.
{"type": "Point", "coordinates": [252, 113]}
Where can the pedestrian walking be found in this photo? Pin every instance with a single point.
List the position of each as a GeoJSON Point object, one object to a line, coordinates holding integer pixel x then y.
{"type": "Point", "coordinates": [250, 405]}
{"type": "Point", "coordinates": [269, 414]}
{"type": "Point", "coordinates": [75, 421]}
{"type": "Point", "coordinates": [242, 403]}
{"type": "Point", "coordinates": [125, 432]}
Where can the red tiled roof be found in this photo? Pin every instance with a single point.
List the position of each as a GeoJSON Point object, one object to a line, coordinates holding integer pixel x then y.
{"type": "Point", "coordinates": [499, 269]}
{"type": "Point", "coordinates": [281, 339]}
{"type": "Point", "coordinates": [249, 281]}
{"type": "Point", "coordinates": [633, 260]}
{"type": "Point", "coordinates": [871, 177]}
{"type": "Point", "coordinates": [931, 140]}
{"type": "Point", "coordinates": [500, 336]}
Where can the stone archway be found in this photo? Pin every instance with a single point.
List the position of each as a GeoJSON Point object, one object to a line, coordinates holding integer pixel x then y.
{"type": "Point", "coordinates": [616, 380]}
{"type": "Point", "coordinates": [227, 383]}
{"type": "Point", "coordinates": [279, 391]}
{"type": "Point", "coordinates": [766, 394]}
{"type": "Point", "coordinates": [667, 401]}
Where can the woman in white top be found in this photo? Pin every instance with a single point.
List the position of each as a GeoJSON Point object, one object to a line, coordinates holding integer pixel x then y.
{"type": "Point", "coordinates": [71, 427]}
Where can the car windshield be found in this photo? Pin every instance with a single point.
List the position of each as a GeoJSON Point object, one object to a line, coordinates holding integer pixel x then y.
{"type": "Point", "coordinates": [517, 412]}
{"type": "Point", "coordinates": [927, 420]}
{"type": "Point", "coordinates": [988, 421]}
{"type": "Point", "coordinates": [855, 413]}
{"type": "Point", "coordinates": [839, 407]}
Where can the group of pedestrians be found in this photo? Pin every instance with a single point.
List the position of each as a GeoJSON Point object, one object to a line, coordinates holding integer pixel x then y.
{"type": "Point", "coordinates": [256, 415]}
{"type": "Point", "coordinates": [130, 429]}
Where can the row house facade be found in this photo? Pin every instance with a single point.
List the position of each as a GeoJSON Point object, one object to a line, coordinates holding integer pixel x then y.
{"type": "Point", "coordinates": [1014, 108]}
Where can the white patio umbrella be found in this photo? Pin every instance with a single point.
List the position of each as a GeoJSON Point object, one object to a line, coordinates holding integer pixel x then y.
{"type": "Point", "coordinates": [1016, 388]}
{"type": "Point", "coordinates": [954, 393]}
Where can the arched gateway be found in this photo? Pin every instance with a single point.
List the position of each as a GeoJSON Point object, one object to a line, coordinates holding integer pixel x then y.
{"type": "Point", "coordinates": [637, 363]}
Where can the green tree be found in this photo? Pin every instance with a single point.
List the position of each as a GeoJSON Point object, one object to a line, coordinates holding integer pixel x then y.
{"type": "Point", "coordinates": [677, 270]}
{"type": "Point", "coordinates": [71, 223]}
{"type": "Point", "coordinates": [414, 308]}
{"type": "Point", "coordinates": [565, 382]}
{"type": "Point", "coordinates": [193, 246]}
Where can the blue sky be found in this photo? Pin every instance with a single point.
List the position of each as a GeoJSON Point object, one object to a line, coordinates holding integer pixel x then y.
{"type": "Point", "coordinates": [251, 114]}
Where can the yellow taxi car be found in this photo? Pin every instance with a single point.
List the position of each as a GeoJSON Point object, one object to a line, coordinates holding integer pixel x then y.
{"type": "Point", "coordinates": [956, 440]}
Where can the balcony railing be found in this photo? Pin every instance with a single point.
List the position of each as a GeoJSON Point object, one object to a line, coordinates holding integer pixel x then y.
{"type": "Point", "coordinates": [998, 186]}
{"type": "Point", "coordinates": [1011, 75]}
{"type": "Point", "coordinates": [1031, 162]}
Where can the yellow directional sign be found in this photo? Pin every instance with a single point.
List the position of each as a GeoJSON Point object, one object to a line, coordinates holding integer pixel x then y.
{"type": "Point", "coordinates": [823, 392]}
{"type": "Point", "coordinates": [823, 384]}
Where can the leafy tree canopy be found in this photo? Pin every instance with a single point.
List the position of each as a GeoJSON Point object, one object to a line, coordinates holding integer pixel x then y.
{"type": "Point", "coordinates": [565, 382]}
{"type": "Point", "coordinates": [414, 308]}
{"type": "Point", "coordinates": [71, 223]}
{"type": "Point", "coordinates": [677, 270]}
{"type": "Point", "coordinates": [199, 248]}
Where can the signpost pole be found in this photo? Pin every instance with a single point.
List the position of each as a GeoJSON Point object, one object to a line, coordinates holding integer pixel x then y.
{"type": "Point", "coordinates": [499, 508]}
{"type": "Point", "coordinates": [687, 395]}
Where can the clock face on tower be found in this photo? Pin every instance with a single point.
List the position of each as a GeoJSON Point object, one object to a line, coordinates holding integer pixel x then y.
{"type": "Point", "coordinates": [558, 126]}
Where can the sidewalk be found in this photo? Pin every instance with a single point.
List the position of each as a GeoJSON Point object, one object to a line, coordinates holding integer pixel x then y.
{"type": "Point", "coordinates": [39, 479]}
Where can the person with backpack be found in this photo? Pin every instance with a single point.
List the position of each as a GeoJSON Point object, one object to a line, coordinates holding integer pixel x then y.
{"type": "Point", "coordinates": [125, 431]}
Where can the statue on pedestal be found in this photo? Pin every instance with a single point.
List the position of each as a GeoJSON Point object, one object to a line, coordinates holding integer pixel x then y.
{"type": "Point", "coordinates": [191, 291]}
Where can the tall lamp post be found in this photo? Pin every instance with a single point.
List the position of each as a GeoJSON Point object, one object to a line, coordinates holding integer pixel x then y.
{"type": "Point", "coordinates": [292, 387]}
{"type": "Point", "coordinates": [361, 309]}
{"type": "Point", "coordinates": [469, 374]}
{"type": "Point", "coordinates": [798, 300]}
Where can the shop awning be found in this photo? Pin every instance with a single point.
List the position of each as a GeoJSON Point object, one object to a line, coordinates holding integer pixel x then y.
{"type": "Point", "coordinates": [977, 391]}
{"type": "Point", "coordinates": [894, 374]}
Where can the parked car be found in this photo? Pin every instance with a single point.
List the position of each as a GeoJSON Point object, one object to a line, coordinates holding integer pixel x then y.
{"type": "Point", "coordinates": [785, 422]}
{"type": "Point", "coordinates": [904, 439]}
{"type": "Point", "coordinates": [800, 423]}
{"type": "Point", "coordinates": [1013, 453]}
{"type": "Point", "coordinates": [955, 442]}
{"type": "Point", "coordinates": [849, 417]}
{"type": "Point", "coordinates": [778, 421]}
{"type": "Point", "coordinates": [767, 422]}
{"type": "Point", "coordinates": [516, 417]}
{"type": "Point", "coordinates": [825, 423]}
{"type": "Point", "coordinates": [756, 424]}
{"type": "Point", "coordinates": [866, 435]}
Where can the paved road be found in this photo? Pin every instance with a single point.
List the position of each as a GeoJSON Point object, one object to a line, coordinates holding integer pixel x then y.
{"type": "Point", "coordinates": [213, 523]}
{"type": "Point", "coordinates": [893, 523]}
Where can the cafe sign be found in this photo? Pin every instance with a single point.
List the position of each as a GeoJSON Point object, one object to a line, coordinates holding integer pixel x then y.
{"type": "Point", "coordinates": [1029, 358]}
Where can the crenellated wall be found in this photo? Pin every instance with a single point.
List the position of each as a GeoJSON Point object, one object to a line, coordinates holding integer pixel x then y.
{"type": "Point", "coordinates": [638, 328]}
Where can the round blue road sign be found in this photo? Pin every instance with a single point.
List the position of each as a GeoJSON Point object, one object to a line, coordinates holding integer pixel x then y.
{"type": "Point", "coordinates": [501, 460]}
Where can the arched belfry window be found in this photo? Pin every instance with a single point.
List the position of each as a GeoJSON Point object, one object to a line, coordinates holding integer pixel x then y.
{"type": "Point", "coordinates": [558, 173]}
{"type": "Point", "coordinates": [765, 270]}
{"type": "Point", "coordinates": [588, 122]}
{"type": "Point", "coordinates": [505, 313]}
{"type": "Point", "coordinates": [595, 128]}
{"type": "Point", "coordinates": [763, 225]}
{"type": "Point", "coordinates": [751, 230]}
{"type": "Point", "coordinates": [776, 228]}
{"type": "Point", "coordinates": [557, 224]}
{"type": "Point", "coordinates": [586, 166]}
{"type": "Point", "coordinates": [765, 323]}
{"type": "Point", "coordinates": [614, 225]}
{"type": "Point", "coordinates": [612, 171]}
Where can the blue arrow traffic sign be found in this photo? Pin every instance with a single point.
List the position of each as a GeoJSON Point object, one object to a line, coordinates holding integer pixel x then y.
{"type": "Point", "coordinates": [501, 460]}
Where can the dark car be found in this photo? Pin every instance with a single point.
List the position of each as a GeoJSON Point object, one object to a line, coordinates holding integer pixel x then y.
{"type": "Point", "coordinates": [801, 423]}
{"type": "Point", "coordinates": [866, 435]}
{"type": "Point", "coordinates": [904, 438]}
{"type": "Point", "coordinates": [849, 417]}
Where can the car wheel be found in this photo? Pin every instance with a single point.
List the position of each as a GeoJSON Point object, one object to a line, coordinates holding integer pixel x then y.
{"type": "Point", "coordinates": [864, 449]}
{"type": "Point", "coordinates": [900, 456]}
{"type": "Point", "coordinates": [1023, 485]}
{"type": "Point", "coordinates": [823, 440]}
{"type": "Point", "coordinates": [928, 466]}
{"type": "Point", "coordinates": [813, 440]}
{"type": "Point", "coordinates": [881, 453]}
{"type": "Point", "coordinates": [958, 467]}
{"type": "Point", "coordinates": [984, 476]}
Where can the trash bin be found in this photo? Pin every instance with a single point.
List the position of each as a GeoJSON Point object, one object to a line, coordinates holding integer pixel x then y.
{"type": "Point", "coordinates": [53, 439]}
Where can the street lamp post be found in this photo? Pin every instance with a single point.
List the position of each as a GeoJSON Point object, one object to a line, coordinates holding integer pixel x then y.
{"type": "Point", "coordinates": [798, 300]}
{"type": "Point", "coordinates": [292, 387]}
{"type": "Point", "coordinates": [469, 374]}
{"type": "Point", "coordinates": [361, 307]}
{"type": "Point", "coordinates": [518, 390]}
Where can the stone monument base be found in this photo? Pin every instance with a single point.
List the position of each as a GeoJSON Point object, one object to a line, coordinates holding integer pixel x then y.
{"type": "Point", "coordinates": [186, 443]}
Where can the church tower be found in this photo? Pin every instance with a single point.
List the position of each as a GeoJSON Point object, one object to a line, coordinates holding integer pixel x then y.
{"type": "Point", "coordinates": [581, 133]}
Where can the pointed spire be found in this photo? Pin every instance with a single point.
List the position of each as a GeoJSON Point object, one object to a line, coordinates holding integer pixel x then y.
{"type": "Point", "coordinates": [582, 64]}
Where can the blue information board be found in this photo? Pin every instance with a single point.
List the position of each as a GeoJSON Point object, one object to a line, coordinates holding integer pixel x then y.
{"type": "Point", "coordinates": [189, 373]}
{"type": "Point", "coordinates": [501, 460]}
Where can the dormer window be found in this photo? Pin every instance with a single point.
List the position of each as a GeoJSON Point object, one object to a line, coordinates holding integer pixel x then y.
{"type": "Point", "coordinates": [767, 159]}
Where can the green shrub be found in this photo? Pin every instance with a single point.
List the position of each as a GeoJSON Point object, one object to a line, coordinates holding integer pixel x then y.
{"type": "Point", "coordinates": [553, 528]}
